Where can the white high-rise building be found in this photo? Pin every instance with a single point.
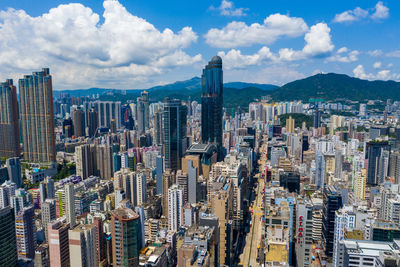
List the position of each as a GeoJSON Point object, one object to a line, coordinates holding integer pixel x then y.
{"type": "Point", "coordinates": [70, 204]}
{"type": "Point", "coordinates": [83, 246]}
{"type": "Point", "coordinates": [304, 233]}
{"type": "Point", "coordinates": [175, 205]}
{"type": "Point", "coordinates": [345, 218]}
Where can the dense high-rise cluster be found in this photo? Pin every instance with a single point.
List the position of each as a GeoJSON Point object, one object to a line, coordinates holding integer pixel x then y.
{"type": "Point", "coordinates": [86, 181]}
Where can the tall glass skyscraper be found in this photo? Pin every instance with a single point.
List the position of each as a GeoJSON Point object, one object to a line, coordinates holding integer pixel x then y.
{"type": "Point", "coordinates": [37, 116]}
{"type": "Point", "coordinates": [212, 102]}
{"type": "Point", "coordinates": [174, 115]}
{"type": "Point", "coordinates": [9, 127]}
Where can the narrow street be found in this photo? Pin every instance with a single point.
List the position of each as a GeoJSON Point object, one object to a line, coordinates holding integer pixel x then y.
{"type": "Point", "coordinates": [249, 256]}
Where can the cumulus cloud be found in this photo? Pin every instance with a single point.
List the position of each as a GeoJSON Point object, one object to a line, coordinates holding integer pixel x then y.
{"type": "Point", "coordinates": [71, 40]}
{"type": "Point", "coordinates": [375, 53]}
{"type": "Point", "coordinates": [234, 59]}
{"type": "Point", "coordinates": [359, 72]}
{"type": "Point", "coordinates": [344, 55]}
{"type": "Point", "coordinates": [377, 65]}
{"type": "Point", "coordinates": [395, 53]}
{"type": "Point", "coordinates": [227, 8]}
{"type": "Point", "coordinates": [380, 11]}
{"type": "Point", "coordinates": [237, 34]}
{"type": "Point", "coordinates": [318, 44]}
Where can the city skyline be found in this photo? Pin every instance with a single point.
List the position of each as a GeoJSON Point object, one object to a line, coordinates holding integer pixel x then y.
{"type": "Point", "coordinates": [259, 42]}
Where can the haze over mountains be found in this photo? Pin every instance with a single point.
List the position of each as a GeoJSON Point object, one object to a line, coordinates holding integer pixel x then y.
{"type": "Point", "coordinates": [329, 86]}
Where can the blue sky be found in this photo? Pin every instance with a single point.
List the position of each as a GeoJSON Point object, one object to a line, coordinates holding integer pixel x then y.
{"type": "Point", "coordinates": [137, 44]}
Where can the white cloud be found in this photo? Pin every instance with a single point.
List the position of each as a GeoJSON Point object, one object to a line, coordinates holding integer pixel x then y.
{"type": "Point", "coordinates": [344, 55]}
{"type": "Point", "coordinates": [377, 65]}
{"type": "Point", "coordinates": [318, 44]}
{"type": "Point", "coordinates": [237, 34]}
{"type": "Point", "coordinates": [380, 11]}
{"type": "Point", "coordinates": [375, 53]}
{"type": "Point", "coordinates": [359, 72]}
{"type": "Point", "coordinates": [395, 53]}
{"type": "Point", "coordinates": [351, 15]}
{"type": "Point", "coordinates": [234, 59]}
{"type": "Point", "coordinates": [79, 49]}
{"type": "Point", "coordinates": [227, 8]}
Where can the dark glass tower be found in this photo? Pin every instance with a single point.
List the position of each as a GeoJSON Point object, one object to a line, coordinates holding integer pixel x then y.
{"type": "Point", "coordinates": [174, 115]}
{"type": "Point", "coordinates": [378, 154]}
{"type": "Point", "coordinates": [332, 201]}
{"type": "Point", "coordinates": [212, 103]}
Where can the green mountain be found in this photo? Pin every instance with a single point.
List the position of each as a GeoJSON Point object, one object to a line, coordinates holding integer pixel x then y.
{"type": "Point", "coordinates": [335, 86]}
{"type": "Point", "coordinates": [233, 98]}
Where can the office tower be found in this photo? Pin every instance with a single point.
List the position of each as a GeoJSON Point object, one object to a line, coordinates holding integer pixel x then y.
{"type": "Point", "coordinates": [394, 169]}
{"type": "Point", "coordinates": [43, 192]}
{"type": "Point", "coordinates": [319, 170]}
{"type": "Point", "coordinates": [182, 180]}
{"type": "Point", "coordinates": [332, 201]}
{"type": "Point", "coordinates": [360, 181]}
{"type": "Point", "coordinates": [37, 116]}
{"type": "Point", "coordinates": [58, 243]}
{"type": "Point", "coordinates": [303, 234]}
{"type": "Point", "coordinates": [141, 189]}
{"type": "Point", "coordinates": [14, 171]}
{"type": "Point", "coordinates": [159, 174]}
{"type": "Point", "coordinates": [192, 183]}
{"type": "Point", "coordinates": [78, 121]}
{"type": "Point", "coordinates": [338, 163]}
{"type": "Point", "coordinates": [290, 125]}
{"type": "Point", "coordinates": [3, 174]}
{"type": "Point", "coordinates": [50, 187]}
{"type": "Point", "coordinates": [70, 204]}
{"type": "Point", "coordinates": [9, 124]}
{"type": "Point", "coordinates": [290, 181]}
{"type": "Point", "coordinates": [67, 128]}
{"type": "Point", "coordinates": [92, 122]}
{"type": "Point", "coordinates": [175, 205]}
{"type": "Point", "coordinates": [42, 256]}
{"type": "Point", "coordinates": [142, 112]}
{"type": "Point", "coordinates": [316, 118]}
{"type": "Point", "coordinates": [212, 103]}
{"type": "Point", "coordinates": [140, 116]}
{"type": "Point", "coordinates": [104, 161]}
{"type": "Point", "coordinates": [48, 209]}
{"type": "Point", "coordinates": [378, 153]}
{"type": "Point", "coordinates": [126, 234]}
{"type": "Point", "coordinates": [100, 238]}
{"type": "Point", "coordinates": [168, 178]}
{"type": "Point", "coordinates": [26, 233]}
{"type": "Point", "coordinates": [83, 246]}
{"type": "Point", "coordinates": [174, 133]}
{"type": "Point", "coordinates": [85, 160]}
{"type": "Point", "coordinates": [8, 245]}
{"type": "Point", "coordinates": [113, 126]}
{"type": "Point", "coordinates": [116, 162]}
{"type": "Point", "coordinates": [158, 127]}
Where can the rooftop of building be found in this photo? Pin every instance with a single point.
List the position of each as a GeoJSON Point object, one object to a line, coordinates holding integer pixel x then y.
{"type": "Point", "coordinates": [125, 214]}
{"type": "Point", "coordinates": [199, 148]}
